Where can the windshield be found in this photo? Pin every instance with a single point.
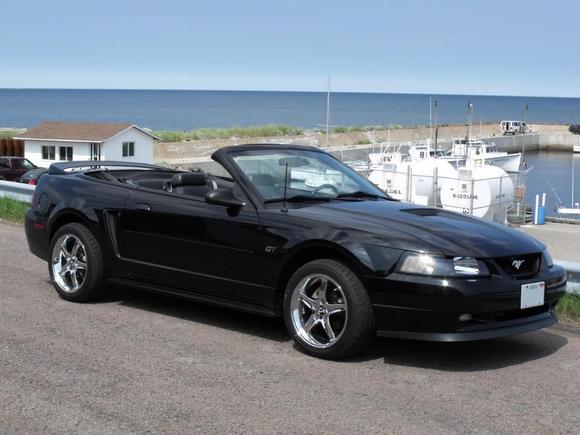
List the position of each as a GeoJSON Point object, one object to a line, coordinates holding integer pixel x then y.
{"type": "Point", "coordinates": [311, 174]}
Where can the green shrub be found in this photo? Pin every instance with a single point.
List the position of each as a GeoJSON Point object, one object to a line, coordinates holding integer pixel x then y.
{"type": "Point", "coordinates": [12, 210]}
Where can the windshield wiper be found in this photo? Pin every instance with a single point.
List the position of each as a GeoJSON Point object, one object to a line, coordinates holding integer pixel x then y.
{"type": "Point", "coordinates": [299, 198]}
{"type": "Point", "coordinates": [360, 194]}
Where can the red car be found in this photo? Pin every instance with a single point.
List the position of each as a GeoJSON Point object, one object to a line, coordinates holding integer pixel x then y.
{"type": "Point", "coordinates": [14, 167]}
{"type": "Point", "coordinates": [31, 177]}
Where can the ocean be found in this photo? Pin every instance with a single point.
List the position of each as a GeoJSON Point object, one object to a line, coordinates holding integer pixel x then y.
{"type": "Point", "coordinates": [183, 110]}
{"type": "Point", "coordinates": [555, 169]}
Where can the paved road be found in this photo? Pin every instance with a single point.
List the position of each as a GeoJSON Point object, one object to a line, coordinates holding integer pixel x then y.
{"type": "Point", "coordinates": [138, 363]}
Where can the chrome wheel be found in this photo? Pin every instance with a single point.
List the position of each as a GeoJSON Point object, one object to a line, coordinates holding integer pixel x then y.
{"type": "Point", "coordinates": [319, 310]}
{"type": "Point", "coordinates": [69, 263]}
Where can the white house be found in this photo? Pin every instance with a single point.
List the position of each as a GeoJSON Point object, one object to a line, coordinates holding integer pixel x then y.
{"type": "Point", "coordinates": [52, 142]}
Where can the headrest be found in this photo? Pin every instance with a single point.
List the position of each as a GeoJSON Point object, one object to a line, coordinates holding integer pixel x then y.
{"type": "Point", "coordinates": [189, 179]}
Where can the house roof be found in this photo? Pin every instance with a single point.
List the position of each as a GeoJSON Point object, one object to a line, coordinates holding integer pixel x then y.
{"type": "Point", "coordinates": [77, 131]}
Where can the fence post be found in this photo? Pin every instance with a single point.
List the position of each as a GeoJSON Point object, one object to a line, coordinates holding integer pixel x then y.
{"type": "Point", "coordinates": [409, 182]}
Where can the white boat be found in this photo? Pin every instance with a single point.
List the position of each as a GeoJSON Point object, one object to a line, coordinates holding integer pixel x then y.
{"type": "Point", "coordinates": [480, 153]}
{"type": "Point", "coordinates": [577, 148]}
{"type": "Point", "coordinates": [468, 153]}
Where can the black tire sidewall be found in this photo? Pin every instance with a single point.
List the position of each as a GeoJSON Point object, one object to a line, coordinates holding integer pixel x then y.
{"type": "Point", "coordinates": [360, 321]}
{"type": "Point", "coordinates": [92, 286]}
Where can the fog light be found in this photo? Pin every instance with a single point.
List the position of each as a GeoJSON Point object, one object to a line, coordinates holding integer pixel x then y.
{"type": "Point", "coordinates": [465, 318]}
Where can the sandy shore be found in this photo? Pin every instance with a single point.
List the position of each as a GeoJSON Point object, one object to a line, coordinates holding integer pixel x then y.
{"type": "Point", "coordinates": [200, 149]}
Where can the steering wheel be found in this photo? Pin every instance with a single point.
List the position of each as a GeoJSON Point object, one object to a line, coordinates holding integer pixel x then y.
{"type": "Point", "coordinates": [324, 186]}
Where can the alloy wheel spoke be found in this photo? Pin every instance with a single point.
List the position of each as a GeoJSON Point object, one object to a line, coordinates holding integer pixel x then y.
{"type": "Point", "coordinates": [308, 301]}
{"type": "Point", "coordinates": [81, 265]}
{"type": "Point", "coordinates": [322, 289]}
{"type": "Point", "coordinates": [64, 250]}
{"type": "Point", "coordinates": [74, 279]}
{"type": "Point", "coordinates": [310, 323]}
{"type": "Point", "coordinates": [328, 329]}
{"type": "Point", "coordinates": [75, 249]}
{"type": "Point", "coordinates": [336, 308]}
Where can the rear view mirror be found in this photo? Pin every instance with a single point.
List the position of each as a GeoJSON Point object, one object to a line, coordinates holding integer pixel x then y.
{"type": "Point", "coordinates": [223, 196]}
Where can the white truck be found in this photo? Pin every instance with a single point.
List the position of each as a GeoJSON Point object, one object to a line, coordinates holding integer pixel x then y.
{"type": "Point", "coordinates": [513, 127]}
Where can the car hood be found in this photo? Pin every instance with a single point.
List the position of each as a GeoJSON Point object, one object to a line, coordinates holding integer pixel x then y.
{"type": "Point", "coordinates": [437, 230]}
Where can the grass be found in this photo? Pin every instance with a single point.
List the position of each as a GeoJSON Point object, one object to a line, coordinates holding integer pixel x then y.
{"type": "Point", "coordinates": [228, 133]}
{"type": "Point", "coordinates": [9, 134]}
{"type": "Point", "coordinates": [569, 308]}
{"type": "Point", "coordinates": [12, 210]}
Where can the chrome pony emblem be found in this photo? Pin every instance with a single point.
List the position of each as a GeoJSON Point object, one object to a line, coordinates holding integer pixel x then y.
{"type": "Point", "coordinates": [518, 263]}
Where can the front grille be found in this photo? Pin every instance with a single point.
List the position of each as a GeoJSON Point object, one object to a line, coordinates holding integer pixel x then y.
{"type": "Point", "coordinates": [521, 266]}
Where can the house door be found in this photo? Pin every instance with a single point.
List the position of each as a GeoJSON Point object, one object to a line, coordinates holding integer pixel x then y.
{"type": "Point", "coordinates": [95, 151]}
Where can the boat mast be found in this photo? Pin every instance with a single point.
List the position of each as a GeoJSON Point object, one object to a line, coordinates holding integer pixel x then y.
{"type": "Point", "coordinates": [469, 118]}
{"type": "Point", "coordinates": [327, 110]}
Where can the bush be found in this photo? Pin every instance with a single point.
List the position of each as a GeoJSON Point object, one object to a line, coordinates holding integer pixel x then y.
{"type": "Point", "coordinates": [228, 133]}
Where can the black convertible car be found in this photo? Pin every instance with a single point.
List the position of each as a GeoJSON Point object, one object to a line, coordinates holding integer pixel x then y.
{"type": "Point", "coordinates": [284, 230]}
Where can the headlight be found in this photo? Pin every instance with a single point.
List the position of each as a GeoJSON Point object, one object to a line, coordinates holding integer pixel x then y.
{"type": "Point", "coordinates": [432, 265]}
{"type": "Point", "coordinates": [548, 258]}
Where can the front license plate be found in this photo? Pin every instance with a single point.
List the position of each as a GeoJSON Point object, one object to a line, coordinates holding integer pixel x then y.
{"type": "Point", "coordinates": [532, 295]}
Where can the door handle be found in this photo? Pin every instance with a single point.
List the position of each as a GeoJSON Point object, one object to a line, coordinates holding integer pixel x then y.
{"type": "Point", "coordinates": [143, 207]}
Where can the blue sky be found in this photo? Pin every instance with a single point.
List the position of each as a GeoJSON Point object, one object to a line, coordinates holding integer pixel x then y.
{"type": "Point", "coordinates": [445, 46]}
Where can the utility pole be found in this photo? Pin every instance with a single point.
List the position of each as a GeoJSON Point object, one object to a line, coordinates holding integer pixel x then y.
{"type": "Point", "coordinates": [435, 122]}
{"type": "Point", "coordinates": [430, 121]}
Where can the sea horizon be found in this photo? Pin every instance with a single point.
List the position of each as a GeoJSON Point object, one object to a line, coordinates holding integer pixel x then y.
{"type": "Point", "coordinates": [175, 109]}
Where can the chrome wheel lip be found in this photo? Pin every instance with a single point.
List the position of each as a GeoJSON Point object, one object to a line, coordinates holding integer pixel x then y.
{"type": "Point", "coordinates": [310, 310]}
{"type": "Point", "coordinates": [69, 263]}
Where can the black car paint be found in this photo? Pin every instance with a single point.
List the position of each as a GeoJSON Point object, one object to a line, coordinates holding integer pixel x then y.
{"type": "Point", "coordinates": [242, 258]}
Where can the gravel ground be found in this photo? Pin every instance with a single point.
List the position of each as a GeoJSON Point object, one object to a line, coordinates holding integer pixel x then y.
{"type": "Point", "coordinates": [144, 363]}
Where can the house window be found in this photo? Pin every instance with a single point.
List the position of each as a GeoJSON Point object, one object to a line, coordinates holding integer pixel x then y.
{"type": "Point", "coordinates": [128, 149]}
{"type": "Point", "coordinates": [48, 152]}
{"type": "Point", "coordinates": [95, 151]}
{"type": "Point", "coordinates": [66, 153]}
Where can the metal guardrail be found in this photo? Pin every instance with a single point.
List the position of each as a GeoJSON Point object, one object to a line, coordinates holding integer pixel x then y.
{"type": "Point", "coordinates": [572, 269]}
{"type": "Point", "coordinates": [19, 191]}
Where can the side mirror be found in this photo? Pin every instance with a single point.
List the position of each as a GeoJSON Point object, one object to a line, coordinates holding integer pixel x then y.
{"type": "Point", "coordinates": [223, 196]}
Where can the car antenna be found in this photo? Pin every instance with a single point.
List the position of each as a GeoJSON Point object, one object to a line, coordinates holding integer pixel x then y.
{"type": "Point", "coordinates": [284, 208]}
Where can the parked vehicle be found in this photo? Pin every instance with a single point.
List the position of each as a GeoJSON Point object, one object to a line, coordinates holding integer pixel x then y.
{"type": "Point", "coordinates": [513, 127]}
{"type": "Point", "coordinates": [574, 128]}
{"type": "Point", "coordinates": [31, 177]}
{"type": "Point", "coordinates": [336, 257]}
{"type": "Point", "coordinates": [14, 167]}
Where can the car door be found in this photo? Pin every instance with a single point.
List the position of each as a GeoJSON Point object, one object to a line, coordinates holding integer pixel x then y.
{"type": "Point", "coordinates": [181, 241]}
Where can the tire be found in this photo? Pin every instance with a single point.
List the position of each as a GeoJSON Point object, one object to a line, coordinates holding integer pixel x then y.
{"type": "Point", "coordinates": [76, 264]}
{"type": "Point", "coordinates": [309, 316]}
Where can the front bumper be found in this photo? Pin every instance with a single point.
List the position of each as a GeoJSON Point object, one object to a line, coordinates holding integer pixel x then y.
{"type": "Point", "coordinates": [425, 308]}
